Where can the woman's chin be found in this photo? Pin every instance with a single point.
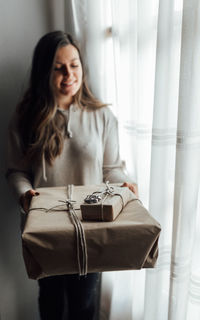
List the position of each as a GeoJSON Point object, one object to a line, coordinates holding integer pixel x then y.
{"type": "Point", "coordinates": [68, 92]}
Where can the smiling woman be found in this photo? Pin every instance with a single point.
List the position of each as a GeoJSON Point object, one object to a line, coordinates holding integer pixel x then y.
{"type": "Point", "coordinates": [61, 134]}
{"type": "Point", "coordinates": [66, 76]}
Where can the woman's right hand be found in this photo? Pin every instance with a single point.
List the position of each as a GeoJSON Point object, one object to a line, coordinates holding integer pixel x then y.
{"type": "Point", "coordinates": [25, 199]}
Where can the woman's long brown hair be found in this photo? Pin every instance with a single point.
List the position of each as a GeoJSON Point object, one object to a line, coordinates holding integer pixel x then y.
{"type": "Point", "coordinates": [41, 127]}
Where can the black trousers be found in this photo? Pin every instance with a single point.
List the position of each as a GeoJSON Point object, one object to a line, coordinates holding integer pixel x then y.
{"type": "Point", "coordinates": [70, 297]}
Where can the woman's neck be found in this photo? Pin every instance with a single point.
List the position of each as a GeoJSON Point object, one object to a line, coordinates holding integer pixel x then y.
{"type": "Point", "coordinates": [64, 103]}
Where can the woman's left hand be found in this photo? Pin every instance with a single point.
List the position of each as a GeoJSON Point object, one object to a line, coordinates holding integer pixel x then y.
{"type": "Point", "coordinates": [132, 186]}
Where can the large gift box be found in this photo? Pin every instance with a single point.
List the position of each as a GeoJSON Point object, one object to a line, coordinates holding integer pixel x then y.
{"type": "Point", "coordinates": [51, 247]}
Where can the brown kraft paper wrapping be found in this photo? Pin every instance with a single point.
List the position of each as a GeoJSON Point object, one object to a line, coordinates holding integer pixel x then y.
{"type": "Point", "coordinates": [49, 240]}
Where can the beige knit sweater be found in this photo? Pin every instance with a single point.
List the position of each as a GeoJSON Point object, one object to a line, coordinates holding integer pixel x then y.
{"type": "Point", "coordinates": [90, 154]}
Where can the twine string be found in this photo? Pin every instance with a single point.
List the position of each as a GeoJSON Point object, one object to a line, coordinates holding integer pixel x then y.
{"type": "Point", "coordinates": [81, 240]}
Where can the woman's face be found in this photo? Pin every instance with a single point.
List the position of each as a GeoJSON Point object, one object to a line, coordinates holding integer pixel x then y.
{"type": "Point", "coordinates": [67, 73]}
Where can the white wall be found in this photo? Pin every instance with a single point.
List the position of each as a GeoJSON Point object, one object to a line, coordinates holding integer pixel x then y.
{"type": "Point", "coordinates": [22, 23]}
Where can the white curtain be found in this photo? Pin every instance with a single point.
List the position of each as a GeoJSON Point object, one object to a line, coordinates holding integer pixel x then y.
{"type": "Point", "coordinates": [143, 56]}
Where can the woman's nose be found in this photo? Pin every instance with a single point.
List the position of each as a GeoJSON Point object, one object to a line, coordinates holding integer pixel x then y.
{"type": "Point", "coordinates": [66, 71]}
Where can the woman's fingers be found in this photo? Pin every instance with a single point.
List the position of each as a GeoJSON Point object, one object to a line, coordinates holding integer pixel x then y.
{"type": "Point", "coordinates": [31, 193]}
{"type": "Point", "coordinates": [25, 199]}
{"type": "Point", "coordinates": [132, 186]}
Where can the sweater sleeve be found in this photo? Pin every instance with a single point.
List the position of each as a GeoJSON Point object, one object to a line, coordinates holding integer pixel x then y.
{"type": "Point", "coordinates": [112, 164]}
{"type": "Point", "coordinates": [18, 172]}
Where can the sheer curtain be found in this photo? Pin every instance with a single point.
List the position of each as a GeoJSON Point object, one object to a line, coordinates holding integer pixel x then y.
{"type": "Point", "coordinates": [144, 57]}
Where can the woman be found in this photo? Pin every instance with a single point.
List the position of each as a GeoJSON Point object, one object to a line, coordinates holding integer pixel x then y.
{"type": "Point", "coordinates": [61, 134]}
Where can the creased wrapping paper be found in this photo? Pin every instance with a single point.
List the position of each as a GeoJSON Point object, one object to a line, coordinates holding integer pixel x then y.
{"type": "Point", "coordinates": [49, 241]}
{"type": "Point", "coordinates": [110, 206]}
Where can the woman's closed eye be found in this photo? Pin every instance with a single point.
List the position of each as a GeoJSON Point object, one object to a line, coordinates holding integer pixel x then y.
{"type": "Point", "coordinates": [57, 68]}
{"type": "Point", "coordinates": [75, 66]}
{"type": "Point", "coordinates": [60, 68]}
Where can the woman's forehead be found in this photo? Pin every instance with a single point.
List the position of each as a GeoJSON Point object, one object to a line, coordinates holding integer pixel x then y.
{"type": "Point", "coordinates": [66, 53]}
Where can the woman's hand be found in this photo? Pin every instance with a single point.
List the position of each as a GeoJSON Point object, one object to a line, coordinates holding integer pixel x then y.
{"type": "Point", "coordinates": [25, 199]}
{"type": "Point", "coordinates": [132, 186]}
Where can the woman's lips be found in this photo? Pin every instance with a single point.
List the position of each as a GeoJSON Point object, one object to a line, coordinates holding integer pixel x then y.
{"type": "Point", "coordinates": [67, 84]}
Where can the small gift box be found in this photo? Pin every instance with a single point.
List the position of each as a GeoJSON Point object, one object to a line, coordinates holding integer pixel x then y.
{"type": "Point", "coordinates": [105, 203]}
